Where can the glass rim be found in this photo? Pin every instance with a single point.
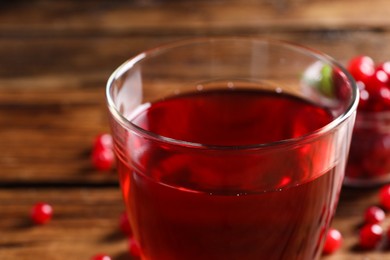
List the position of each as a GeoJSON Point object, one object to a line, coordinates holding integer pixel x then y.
{"type": "Point", "coordinates": [318, 55]}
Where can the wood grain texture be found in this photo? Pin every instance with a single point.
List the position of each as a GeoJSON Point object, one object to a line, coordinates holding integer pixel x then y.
{"type": "Point", "coordinates": [85, 222]}
{"type": "Point", "coordinates": [55, 59]}
{"type": "Point", "coordinates": [178, 17]}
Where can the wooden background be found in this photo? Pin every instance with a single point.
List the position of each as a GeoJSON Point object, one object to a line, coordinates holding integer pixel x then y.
{"type": "Point", "coordinates": [55, 57]}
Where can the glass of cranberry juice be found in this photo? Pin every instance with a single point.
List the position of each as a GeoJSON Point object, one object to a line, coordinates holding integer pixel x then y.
{"type": "Point", "coordinates": [231, 148]}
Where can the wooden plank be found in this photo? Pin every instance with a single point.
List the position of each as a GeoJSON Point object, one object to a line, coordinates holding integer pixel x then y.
{"type": "Point", "coordinates": [181, 17]}
{"type": "Point", "coordinates": [42, 148]}
{"type": "Point", "coordinates": [86, 222]}
{"type": "Point", "coordinates": [89, 58]}
{"type": "Point", "coordinates": [88, 62]}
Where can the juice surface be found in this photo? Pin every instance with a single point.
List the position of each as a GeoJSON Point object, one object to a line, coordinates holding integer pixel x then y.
{"type": "Point", "coordinates": [232, 117]}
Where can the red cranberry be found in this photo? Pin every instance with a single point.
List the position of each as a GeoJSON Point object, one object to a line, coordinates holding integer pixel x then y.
{"type": "Point", "coordinates": [361, 68]}
{"type": "Point", "coordinates": [134, 248]}
{"type": "Point", "coordinates": [333, 241]}
{"type": "Point", "coordinates": [384, 196]}
{"type": "Point", "coordinates": [379, 77]}
{"type": "Point", "coordinates": [103, 141]}
{"type": "Point", "coordinates": [370, 236]}
{"type": "Point", "coordinates": [385, 66]}
{"type": "Point", "coordinates": [374, 215]}
{"type": "Point", "coordinates": [124, 224]}
{"type": "Point", "coordinates": [41, 213]}
{"type": "Point", "coordinates": [101, 257]}
{"type": "Point", "coordinates": [103, 158]}
{"type": "Point", "coordinates": [378, 90]}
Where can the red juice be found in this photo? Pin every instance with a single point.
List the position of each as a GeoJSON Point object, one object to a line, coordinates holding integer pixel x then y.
{"type": "Point", "coordinates": [195, 202]}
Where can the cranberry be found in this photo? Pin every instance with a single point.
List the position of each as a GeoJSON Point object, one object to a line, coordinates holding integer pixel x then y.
{"type": "Point", "coordinates": [361, 68]}
{"type": "Point", "coordinates": [379, 77]}
{"type": "Point", "coordinates": [101, 257]}
{"type": "Point", "coordinates": [103, 158]}
{"type": "Point", "coordinates": [333, 241]}
{"type": "Point", "coordinates": [384, 196]}
{"type": "Point", "coordinates": [41, 213]}
{"type": "Point", "coordinates": [134, 248]}
{"type": "Point", "coordinates": [102, 153]}
{"type": "Point", "coordinates": [103, 141]}
{"type": "Point", "coordinates": [374, 215]}
{"type": "Point", "coordinates": [124, 224]}
{"type": "Point", "coordinates": [377, 87]}
{"type": "Point", "coordinates": [385, 66]}
{"type": "Point", "coordinates": [370, 236]}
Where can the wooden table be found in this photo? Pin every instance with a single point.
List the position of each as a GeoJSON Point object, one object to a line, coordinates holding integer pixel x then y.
{"type": "Point", "coordinates": [55, 58]}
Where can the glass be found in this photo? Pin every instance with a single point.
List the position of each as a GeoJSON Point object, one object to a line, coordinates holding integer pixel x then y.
{"type": "Point", "coordinates": [231, 148]}
{"type": "Point", "coordinates": [369, 159]}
